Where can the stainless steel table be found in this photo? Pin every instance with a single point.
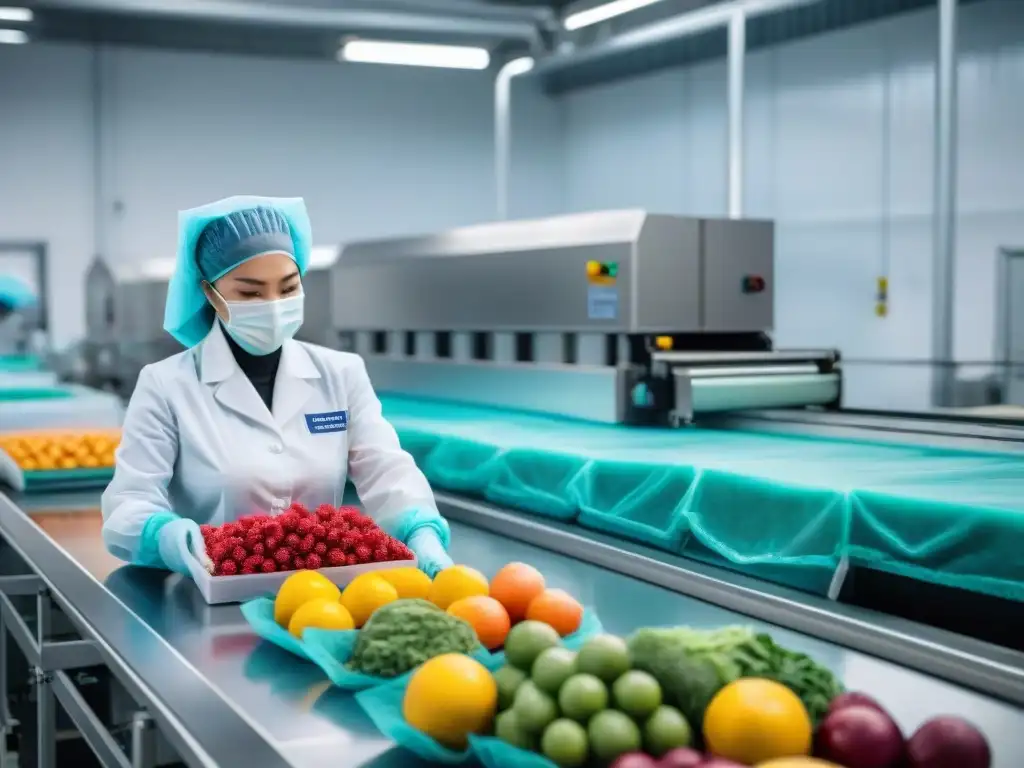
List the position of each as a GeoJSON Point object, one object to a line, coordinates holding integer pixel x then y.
{"type": "Point", "coordinates": [225, 698]}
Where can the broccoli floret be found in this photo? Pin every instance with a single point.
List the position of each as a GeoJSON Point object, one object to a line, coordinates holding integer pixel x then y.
{"type": "Point", "coordinates": [402, 635]}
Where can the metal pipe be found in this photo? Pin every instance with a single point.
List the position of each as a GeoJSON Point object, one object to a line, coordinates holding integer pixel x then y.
{"type": "Point", "coordinates": [503, 128]}
{"type": "Point", "coordinates": [944, 257]}
{"type": "Point", "coordinates": [347, 21]}
{"type": "Point", "coordinates": [737, 64]}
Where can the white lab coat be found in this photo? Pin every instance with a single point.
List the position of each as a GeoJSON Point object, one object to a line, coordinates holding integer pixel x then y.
{"type": "Point", "coordinates": [199, 441]}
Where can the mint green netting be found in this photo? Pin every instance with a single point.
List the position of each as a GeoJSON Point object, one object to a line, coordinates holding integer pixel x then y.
{"type": "Point", "coordinates": [784, 508]}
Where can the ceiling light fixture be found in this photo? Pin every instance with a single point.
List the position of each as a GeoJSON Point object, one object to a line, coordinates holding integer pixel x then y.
{"type": "Point", "coordinates": [16, 15]}
{"type": "Point", "coordinates": [414, 54]}
{"type": "Point", "coordinates": [12, 37]}
{"type": "Point", "coordinates": [708, 17]}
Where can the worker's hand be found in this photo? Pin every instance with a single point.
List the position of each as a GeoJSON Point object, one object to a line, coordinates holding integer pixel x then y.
{"type": "Point", "coordinates": [181, 542]}
{"type": "Point", "coordinates": [431, 556]}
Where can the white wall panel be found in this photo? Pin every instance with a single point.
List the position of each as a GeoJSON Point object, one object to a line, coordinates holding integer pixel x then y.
{"type": "Point", "coordinates": [46, 166]}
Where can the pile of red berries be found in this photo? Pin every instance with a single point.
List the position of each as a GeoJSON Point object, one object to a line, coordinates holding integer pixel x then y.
{"type": "Point", "coordinates": [299, 539]}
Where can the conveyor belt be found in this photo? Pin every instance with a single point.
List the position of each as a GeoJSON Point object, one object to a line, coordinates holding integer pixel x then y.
{"type": "Point", "coordinates": [227, 699]}
{"type": "Point", "coordinates": [790, 507]}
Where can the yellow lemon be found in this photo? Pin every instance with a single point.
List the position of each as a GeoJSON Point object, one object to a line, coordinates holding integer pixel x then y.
{"type": "Point", "coordinates": [321, 613]}
{"type": "Point", "coordinates": [300, 588]}
{"type": "Point", "coordinates": [455, 583]}
{"type": "Point", "coordinates": [365, 595]}
{"type": "Point", "coordinates": [408, 582]}
{"type": "Point", "coordinates": [449, 697]}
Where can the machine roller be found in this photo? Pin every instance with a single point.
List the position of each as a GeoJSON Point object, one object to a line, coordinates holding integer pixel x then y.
{"type": "Point", "coordinates": [615, 316]}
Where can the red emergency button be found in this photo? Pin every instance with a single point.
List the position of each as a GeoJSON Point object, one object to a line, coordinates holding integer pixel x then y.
{"type": "Point", "coordinates": [753, 284]}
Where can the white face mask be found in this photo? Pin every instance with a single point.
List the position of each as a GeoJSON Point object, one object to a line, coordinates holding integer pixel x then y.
{"type": "Point", "coordinates": [261, 327]}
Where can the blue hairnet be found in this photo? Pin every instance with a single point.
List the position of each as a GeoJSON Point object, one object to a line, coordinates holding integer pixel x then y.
{"type": "Point", "coordinates": [231, 240]}
{"type": "Point", "coordinates": [15, 294]}
{"type": "Point", "coordinates": [187, 315]}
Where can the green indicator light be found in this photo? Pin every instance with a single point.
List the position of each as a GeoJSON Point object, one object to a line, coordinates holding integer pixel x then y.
{"type": "Point", "coordinates": [613, 269]}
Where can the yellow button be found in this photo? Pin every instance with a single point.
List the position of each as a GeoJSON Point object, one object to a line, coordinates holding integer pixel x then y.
{"type": "Point", "coordinates": [663, 342]}
{"type": "Point", "coordinates": [593, 268]}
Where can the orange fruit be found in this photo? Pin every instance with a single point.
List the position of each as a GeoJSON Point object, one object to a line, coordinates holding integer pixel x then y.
{"type": "Point", "coordinates": [558, 609]}
{"type": "Point", "coordinates": [752, 720]}
{"type": "Point", "coordinates": [455, 583]}
{"type": "Point", "coordinates": [449, 697]}
{"type": "Point", "coordinates": [365, 594]}
{"type": "Point", "coordinates": [486, 616]}
{"type": "Point", "coordinates": [514, 586]}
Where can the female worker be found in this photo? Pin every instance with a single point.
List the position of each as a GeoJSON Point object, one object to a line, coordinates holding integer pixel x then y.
{"type": "Point", "coordinates": [247, 419]}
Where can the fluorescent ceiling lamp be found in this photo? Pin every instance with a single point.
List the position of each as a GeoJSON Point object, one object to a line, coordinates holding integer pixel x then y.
{"type": "Point", "coordinates": [12, 37]}
{"type": "Point", "coordinates": [415, 54]}
{"type": "Point", "coordinates": [17, 15]}
{"type": "Point", "coordinates": [703, 18]}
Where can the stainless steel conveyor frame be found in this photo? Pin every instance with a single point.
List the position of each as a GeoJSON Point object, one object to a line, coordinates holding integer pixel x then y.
{"type": "Point", "coordinates": [207, 728]}
{"type": "Point", "coordinates": [203, 728]}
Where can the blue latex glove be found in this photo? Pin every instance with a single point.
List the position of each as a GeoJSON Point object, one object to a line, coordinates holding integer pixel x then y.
{"type": "Point", "coordinates": [181, 542]}
{"type": "Point", "coordinates": [431, 555]}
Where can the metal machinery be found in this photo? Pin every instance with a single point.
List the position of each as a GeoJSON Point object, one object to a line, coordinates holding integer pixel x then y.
{"type": "Point", "coordinates": [99, 348]}
{"type": "Point", "coordinates": [615, 316]}
{"type": "Point", "coordinates": [140, 293]}
{"type": "Point", "coordinates": [316, 327]}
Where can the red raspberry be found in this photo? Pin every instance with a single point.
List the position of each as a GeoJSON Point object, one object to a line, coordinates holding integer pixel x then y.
{"type": "Point", "coordinates": [268, 566]}
{"type": "Point", "coordinates": [319, 531]}
{"type": "Point", "coordinates": [273, 528]}
{"type": "Point", "coordinates": [233, 541]}
{"type": "Point", "coordinates": [283, 556]}
{"type": "Point", "coordinates": [299, 507]}
{"type": "Point", "coordinates": [227, 568]}
{"type": "Point", "coordinates": [272, 543]}
{"type": "Point", "coordinates": [216, 536]}
{"type": "Point", "coordinates": [313, 562]}
{"type": "Point", "coordinates": [289, 520]}
{"type": "Point", "coordinates": [238, 554]}
{"type": "Point", "coordinates": [375, 537]}
{"type": "Point", "coordinates": [252, 538]}
{"type": "Point", "coordinates": [230, 529]}
{"type": "Point", "coordinates": [336, 557]}
{"type": "Point", "coordinates": [363, 553]}
{"type": "Point", "coordinates": [350, 540]}
{"type": "Point", "coordinates": [325, 512]}
{"type": "Point", "coordinates": [304, 526]}
{"type": "Point", "coordinates": [351, 559]}
{"type": "Point", "coordinates": [252, 562]}
{"type": "Point", "coordinates": [245, 523]}
{"type": "Point", "coordinates": [307, 544]}
{"type": "Point", "coordinates": [219, 551]}
{"type": "Point", "coordinates": [334, 535]}
{"type": "Point", "coordinates": [207, 531]}
{"type": "Point", "coordinates": [299, 564]}
{"type": "Point", "coordinates": [248, 570]}
{"type": "Point", "coordinates": [320, 548]}
{"type": "Point", "coordinates": [259, 549]}
{"type": "Point", "coordinates": [380, 554]}
{"type": "Point", "coordinates": [292, 540]}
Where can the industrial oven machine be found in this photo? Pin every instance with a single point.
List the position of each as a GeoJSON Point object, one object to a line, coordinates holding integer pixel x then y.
{"type": "Point", "coordinates": [617, 316]}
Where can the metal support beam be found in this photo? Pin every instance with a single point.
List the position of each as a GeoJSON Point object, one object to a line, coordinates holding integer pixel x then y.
{"type": "Point", "coordinates": [95, 734]}
{"type": "Point", "coordinates": [737, 64]}
{"type": "Point", "coordinates": [944, 257]}
{"type": "Point", "coordinates": [143, 746]}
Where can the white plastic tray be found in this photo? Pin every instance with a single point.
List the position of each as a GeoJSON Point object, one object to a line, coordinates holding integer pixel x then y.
{"type": "Point", "coordinates": [217, 590]}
